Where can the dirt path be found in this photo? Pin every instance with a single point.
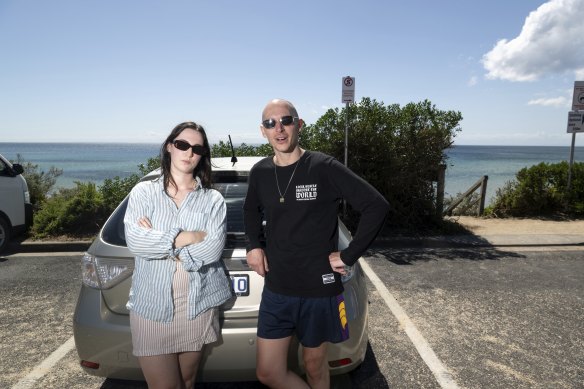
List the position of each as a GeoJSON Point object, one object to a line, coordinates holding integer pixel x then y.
{"type": "Point", "coordinates": [485, 226]}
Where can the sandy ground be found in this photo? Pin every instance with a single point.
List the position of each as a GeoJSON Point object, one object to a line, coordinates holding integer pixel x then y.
{"type": "Point", "coordinates": [487, 226]}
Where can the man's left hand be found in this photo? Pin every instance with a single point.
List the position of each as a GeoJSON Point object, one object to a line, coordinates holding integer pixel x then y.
{"type": "Point", "coordinates": [337, 263]}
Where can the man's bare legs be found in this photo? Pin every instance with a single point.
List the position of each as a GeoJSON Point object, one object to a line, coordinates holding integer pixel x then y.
{"type": "Point", "coordinates": [272, 365]}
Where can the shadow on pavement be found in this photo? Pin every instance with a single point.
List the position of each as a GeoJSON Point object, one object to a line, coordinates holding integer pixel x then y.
{"type": "Point", "coordinates": [368, 375]}
{"type": "Point", "coordinates": [406, 256]}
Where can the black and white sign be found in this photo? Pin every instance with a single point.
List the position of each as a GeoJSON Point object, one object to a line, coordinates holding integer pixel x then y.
{"type": "Point", "coordinates": [578, 99]}
{"type": "Point", "coordinates": [348, 89]}
{"type": "Point", "coordinates": [575, 122]}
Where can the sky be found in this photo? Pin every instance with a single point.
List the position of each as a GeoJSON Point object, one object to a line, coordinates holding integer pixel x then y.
{"type": "Point", "coordinates": [129, 71]}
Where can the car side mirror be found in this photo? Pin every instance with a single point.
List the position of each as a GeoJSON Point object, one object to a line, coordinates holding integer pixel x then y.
{"type": "Point", "coordinates": [17, 169]}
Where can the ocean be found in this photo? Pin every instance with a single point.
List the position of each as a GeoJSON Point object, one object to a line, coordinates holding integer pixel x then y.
{"type": "Point", "coordinates": [94, 162]}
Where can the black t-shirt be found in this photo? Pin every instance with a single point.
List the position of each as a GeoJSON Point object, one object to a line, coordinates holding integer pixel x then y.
{"type": "Point", "coordinates": [302, 230]}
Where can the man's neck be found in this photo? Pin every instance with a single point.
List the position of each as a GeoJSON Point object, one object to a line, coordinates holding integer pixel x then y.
{"type": "Point", "coordinates": [286, 159]}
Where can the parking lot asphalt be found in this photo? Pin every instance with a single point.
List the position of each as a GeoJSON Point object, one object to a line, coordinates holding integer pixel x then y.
{"type": "Point", "coordinates": [494, 317]}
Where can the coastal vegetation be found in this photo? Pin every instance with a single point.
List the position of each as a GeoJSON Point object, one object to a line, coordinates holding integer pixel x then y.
{"type": "Point", "coordinates": [399, 150]}
{"type": "Point", "coordinates": [541, 190]}
{"type": "Point", "coordinates": [40, 183]}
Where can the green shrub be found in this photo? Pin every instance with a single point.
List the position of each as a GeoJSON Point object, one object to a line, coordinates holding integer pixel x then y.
{"type": "Point", "coordinates": [40, 183]}
{"type": "Point", "coordinates": [77, 212]}
{"type": "Point", "coordinates": [541, 190]}
{"type": "Point", "coordinates": [114, 190]}
{"type": "Point", "coordinates": [81, 211]}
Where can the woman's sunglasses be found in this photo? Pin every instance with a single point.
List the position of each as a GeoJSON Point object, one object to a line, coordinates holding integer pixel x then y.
{"type": "Point", "coordinates": [184, 146]}
{"type": "Point", "coordinates": [284, 120]}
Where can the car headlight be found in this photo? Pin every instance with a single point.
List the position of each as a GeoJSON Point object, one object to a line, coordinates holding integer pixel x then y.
{"type": "Point", "coordinates": [104, 273]}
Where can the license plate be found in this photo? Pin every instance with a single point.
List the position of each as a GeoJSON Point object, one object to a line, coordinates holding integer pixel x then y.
{"type": "Point", "coordinates": [240, 284]}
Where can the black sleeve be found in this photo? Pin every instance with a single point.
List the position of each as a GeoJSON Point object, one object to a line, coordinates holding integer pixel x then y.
{"type": "Point", "coordinates": [366, 200]}
{"type": "Point", "coordinates": [252, 215]}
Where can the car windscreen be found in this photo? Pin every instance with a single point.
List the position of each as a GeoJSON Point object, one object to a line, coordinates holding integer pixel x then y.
{"type": "Point", "coordinates": [234, 194]}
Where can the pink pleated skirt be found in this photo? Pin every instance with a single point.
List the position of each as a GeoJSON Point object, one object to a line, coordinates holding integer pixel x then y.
{"type": "Point", "coordinates": [181, 335]}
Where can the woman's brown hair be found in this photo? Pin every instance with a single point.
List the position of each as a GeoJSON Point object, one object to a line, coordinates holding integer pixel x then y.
{"type": "Point", "coordinates": [203, 168]}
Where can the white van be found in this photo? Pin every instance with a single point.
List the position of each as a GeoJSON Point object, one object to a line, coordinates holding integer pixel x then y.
{"type": "Point", "coordinates": [15, 206]}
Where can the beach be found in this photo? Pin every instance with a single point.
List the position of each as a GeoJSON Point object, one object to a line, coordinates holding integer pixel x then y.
{"type": "Point", "coordinates": [519, 226]}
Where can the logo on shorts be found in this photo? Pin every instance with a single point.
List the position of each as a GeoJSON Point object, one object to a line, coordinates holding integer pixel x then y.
{"type": "Point", "coordinates": [343, 314]}
{"type": "Point", "coordinates": [343, 317]}
{"type": "Point", "coordinates": [328, 278]}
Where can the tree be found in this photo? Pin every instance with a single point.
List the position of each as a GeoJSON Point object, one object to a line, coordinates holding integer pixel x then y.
{"type": "Point", "coordinates": [396, 149]}
{"type": "Point", "coordinates": [223, 149]}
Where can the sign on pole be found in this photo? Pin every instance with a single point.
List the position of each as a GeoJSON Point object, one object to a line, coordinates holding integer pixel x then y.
{"type": "Point", "coordinates": [348, 89]}
{"type": "Point", "coordinates": [578, 97]}
{"type": "Point", "coordinates": [575, 122]}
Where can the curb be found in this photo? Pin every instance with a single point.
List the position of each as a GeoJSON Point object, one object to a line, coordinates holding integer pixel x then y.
{"type": "Point", "coordinates": [437, 241]}
{"type": "Point", "coordinates": [52, 246]}
{"type": "Point", "coordinates": [476, 241]}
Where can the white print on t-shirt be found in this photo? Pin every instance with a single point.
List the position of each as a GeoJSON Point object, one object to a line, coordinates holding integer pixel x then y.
{"type": "Point", "coordinates": [306, 192]}
{"type": "Point", "coordinates": [328, 278]}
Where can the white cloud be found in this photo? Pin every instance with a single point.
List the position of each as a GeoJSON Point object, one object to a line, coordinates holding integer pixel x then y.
{"type": "Point", "coordinates": [551, 42]}
{"type": "Point", "coordinates": [473, 81]}
{"type": "Point", "coordinates": [551, 102]}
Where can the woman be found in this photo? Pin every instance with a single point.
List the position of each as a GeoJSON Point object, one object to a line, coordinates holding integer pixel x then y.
{"type": "Point", "coordinates": [175, 227]}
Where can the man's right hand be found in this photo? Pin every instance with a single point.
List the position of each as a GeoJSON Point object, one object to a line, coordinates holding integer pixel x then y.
{"type": "Point", "coordinates": [256, 259]}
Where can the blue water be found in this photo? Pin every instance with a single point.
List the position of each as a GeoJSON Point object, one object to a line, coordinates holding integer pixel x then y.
{"type": "Point", "coordinates": [85, 162]}
{"type": "Point", "coordinates": [467, 164]}
{"type": "Point", "coordinates": [94, 162]}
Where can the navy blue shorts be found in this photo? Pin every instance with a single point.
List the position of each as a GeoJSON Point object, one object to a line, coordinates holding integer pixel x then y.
{"type": "Point", "coordinates": [314, 320]}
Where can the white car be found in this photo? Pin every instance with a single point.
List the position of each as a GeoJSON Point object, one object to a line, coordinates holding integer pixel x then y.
{"type": "Point", "coordinates": [101, 322]}
{"type": "Point", "coordinates": [15, 206]}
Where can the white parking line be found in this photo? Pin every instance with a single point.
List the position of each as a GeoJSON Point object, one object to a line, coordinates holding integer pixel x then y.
{"type": "Point", "coordinates": [45, 366]}
{"type": "Point", "coordinates": [440, 371]}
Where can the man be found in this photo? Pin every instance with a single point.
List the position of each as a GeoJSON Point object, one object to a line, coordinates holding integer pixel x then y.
{"type": "Point", "coordinates": [298, 193]}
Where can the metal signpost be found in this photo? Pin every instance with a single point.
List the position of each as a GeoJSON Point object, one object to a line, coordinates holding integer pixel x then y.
{"type": "Point", "coordinates": [575, 122]}
{"type": "Point", "coordinates": [348, 97]}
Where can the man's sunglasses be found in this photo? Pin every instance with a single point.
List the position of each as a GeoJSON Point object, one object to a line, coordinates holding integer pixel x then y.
{"type": "Point", "coordinates": [184, 146]}
{"type": "Point", "coordinates": [284, 120]}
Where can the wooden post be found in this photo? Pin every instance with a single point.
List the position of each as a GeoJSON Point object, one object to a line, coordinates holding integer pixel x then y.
{"type": "Point", "coordinates": [482, 182]}
{"type": "Point", "coordinates": [483, 195]}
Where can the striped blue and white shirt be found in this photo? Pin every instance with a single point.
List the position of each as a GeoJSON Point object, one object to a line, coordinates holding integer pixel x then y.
{"type": "Point", "coordinates": [201, 210]}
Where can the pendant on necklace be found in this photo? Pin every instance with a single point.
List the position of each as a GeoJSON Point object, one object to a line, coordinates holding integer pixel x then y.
{"type": "Point", "coordinates": [281, 199]}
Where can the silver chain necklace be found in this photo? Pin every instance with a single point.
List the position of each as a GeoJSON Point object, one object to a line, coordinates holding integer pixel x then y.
{"type": "Point", "coordinates": [289, 181]}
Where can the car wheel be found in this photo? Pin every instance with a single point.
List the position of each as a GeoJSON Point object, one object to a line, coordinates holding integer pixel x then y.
{"type": "Point", "coordinates": [4, 234]}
